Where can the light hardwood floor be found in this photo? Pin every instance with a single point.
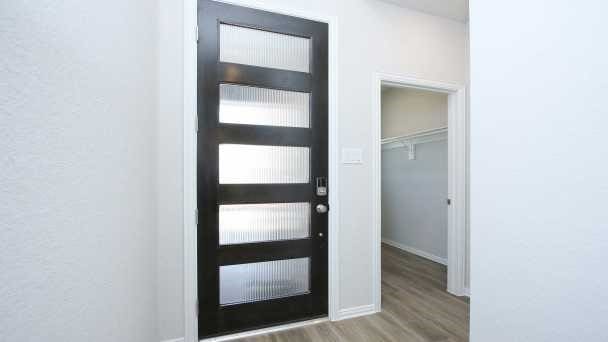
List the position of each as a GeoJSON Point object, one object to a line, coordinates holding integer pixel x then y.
{"type": "Point", "coordinates": [415, 307]}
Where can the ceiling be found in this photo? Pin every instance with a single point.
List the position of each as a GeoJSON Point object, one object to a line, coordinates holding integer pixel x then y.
{"type": "Point", "coordinates": [453, 9]}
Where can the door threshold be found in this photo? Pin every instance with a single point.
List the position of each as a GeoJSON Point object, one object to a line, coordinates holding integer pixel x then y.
{"type": "Point", "coordinates": [268, 330]}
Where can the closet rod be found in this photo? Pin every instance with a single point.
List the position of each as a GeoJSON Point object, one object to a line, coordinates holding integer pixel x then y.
{"type": "Point", "coordinates": [414, 135]}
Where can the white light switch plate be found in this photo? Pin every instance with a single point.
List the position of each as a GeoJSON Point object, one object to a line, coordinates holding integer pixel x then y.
{"type": "Point", "coordinates": [352, 156]}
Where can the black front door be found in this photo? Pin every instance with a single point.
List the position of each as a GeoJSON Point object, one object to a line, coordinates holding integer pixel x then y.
{"type": "Point", "coordinates": [262, 168]}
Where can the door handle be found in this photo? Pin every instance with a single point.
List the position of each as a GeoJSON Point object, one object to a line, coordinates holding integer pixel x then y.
{"type": "Point", "coordinates": [321, 208]}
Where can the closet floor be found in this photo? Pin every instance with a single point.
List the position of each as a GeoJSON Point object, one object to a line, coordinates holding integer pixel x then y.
{"type": "Point", "coordinates": [415, 307]}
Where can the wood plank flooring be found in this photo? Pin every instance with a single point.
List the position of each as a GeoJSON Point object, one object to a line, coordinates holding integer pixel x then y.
{"type": "Point", "coordinates": [415, 307]}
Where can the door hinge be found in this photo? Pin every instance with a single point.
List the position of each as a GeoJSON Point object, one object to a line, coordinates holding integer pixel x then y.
{"type": "Point", "coordinates": [196, 123]}
{"type": "Point", "coordinates": [197, 310]}
{"type": "Point", "coordinates": [197, 33]}
{"type": "Point", "coordinates": [196, 216]}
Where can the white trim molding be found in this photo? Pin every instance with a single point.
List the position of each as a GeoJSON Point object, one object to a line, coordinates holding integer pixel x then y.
{"type": "Point", "coordinates": [457, 191]}
{"type": "Point", "coordinates": [457, 176]}
{"type": "Point", "coordinates": [190, 72]}
{"type": "Point", "coordinates": [415, 251]}
{"type": "Point", "coordinates": [357, 311]}
{"type": "Point", "coordinates": [190, 206]}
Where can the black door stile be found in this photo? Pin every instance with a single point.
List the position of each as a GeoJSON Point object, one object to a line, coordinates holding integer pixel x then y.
{"type": "Point", "coordinates": [263, 77]}
{"type": "Point", "coordinates": [262, 193]}
{"type": "Point", "coordinates": [215, 319]}
{"type": "Point", "coordinates": [264, 135]}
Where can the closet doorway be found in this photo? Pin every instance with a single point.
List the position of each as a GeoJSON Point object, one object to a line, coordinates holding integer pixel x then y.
{"type": "Point", "coordinates": [415, 172]}
{"type": "Point", "coordinates": [420, 185]}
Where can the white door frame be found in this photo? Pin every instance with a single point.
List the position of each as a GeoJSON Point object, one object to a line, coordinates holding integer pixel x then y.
{"type": "Point", "coordinates": [457, 176]}
{"type": "Point", "coordinates": [190, 97]}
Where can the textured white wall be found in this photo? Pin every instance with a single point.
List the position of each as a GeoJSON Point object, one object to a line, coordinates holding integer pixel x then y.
{"type": "Point", "coordinates": [78, 107]}
{"type": "Point", "coordinates": [414, 212]}
{"type": "Point", "coordinates": [170, 178]}
{"type": "Point", "coordinates": [539, 224]}
{"type": "Point", "coordinates": [374, 36]}
{"type": "Point", "coordinates": [408, 110]}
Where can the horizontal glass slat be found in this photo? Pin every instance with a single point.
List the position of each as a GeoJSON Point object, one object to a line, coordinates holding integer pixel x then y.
{"type": "Point", "coordinates": [249, 223]}
{"type": "Point", "coordinates": [258, 281]}
{"type": "Point", "coordinates": [257, 164]}
{"type": "Point", "coordinates": [265, 49]}
{"type": "Point", "coordinates": [261, 106]}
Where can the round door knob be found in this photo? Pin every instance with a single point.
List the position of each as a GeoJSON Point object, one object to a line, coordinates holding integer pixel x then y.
{"type": "Point", "coordinates": [321, 208]}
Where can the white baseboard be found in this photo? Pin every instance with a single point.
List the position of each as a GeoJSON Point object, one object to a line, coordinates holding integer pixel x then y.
{"type": "Point", "coordinates": [467, 292]}
{"type": "Point", "coordinates": [418, 252]}
{"type": "Point", "coordinates": [357, 311]}
{"type": "Point", "coordinates": [174, 340]}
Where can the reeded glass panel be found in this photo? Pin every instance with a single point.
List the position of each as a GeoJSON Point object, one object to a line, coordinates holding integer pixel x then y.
{"type": "Point", "coordinates": [261, 106]}
{"type": "Point", "coordinates": [247, 223]}
{"type": "Point", "coordinates": [256, 164]}
{"type": "Point", "coordinates": [265, 49]}
{"type": "Point", "coordinates": [264, 280]}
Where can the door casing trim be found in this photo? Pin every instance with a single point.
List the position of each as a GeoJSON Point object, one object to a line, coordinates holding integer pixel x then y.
{"type": "Point", "coordinates": [457, 177]}
{"type": "Point", "coordinates": [190, 160]}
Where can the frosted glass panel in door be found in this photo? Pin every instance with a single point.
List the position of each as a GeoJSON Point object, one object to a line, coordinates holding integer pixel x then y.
{"type": "Point", "coordinates": [261, 106]}
{"type": "Point", "coordinates": [248, 223]}
{"type": "Point", "coordinates": [255, 164]}
{"type": "Point", "coordinates": [264, 49]}
{"type": "Point", "coordinates": [264, 280]}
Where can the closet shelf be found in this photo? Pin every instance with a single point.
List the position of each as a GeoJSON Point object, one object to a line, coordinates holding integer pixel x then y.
{"type": "Point", "coordinates": [410, 141]}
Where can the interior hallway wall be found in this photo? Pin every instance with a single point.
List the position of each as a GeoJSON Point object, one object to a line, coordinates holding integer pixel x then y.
{"type": "Point", "coordinates": [539, 224]}
{"type": "Point", "coordinates": [78, 114]}
{"type": "Point", "coordinates": [170, 180]}
{"type": "Point", "coordinates": [374, 36]}
{"type": "Point", "coordinates": [407, 110]}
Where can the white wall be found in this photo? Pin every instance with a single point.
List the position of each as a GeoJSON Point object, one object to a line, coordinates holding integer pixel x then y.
{"type": "Point", "coordinates": [408, 110]}
{"type": "Point", "coordinates": [414, 212]}
{"type": "Point", "coordinates": [170, 206]}
{"type": "Point", "coordinates": [77, 177]}
{"type": "Point", "coordinates": [373, 37]}
{"type": "Point", "coordinates": [539, 224]}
